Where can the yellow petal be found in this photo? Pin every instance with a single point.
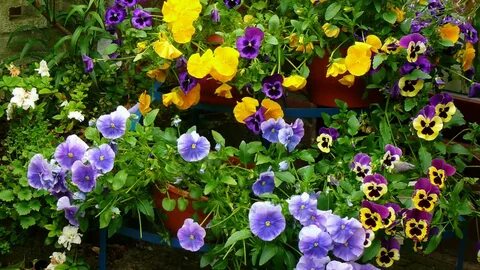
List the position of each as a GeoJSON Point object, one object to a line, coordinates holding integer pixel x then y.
{"type": "Point", "coordinates": [191, 98]}
{"type": "Point", "coordinates": [182, 31]}
{"type": "Point", "coordinates": [272, 109]}
{"type": "Point", "coordinates": [245, 108]}
{"type": "Point", "coordinates": [224, 90]}
{"type": "Point", "coordinates": [358, 60]}
{"type": "Point", "coordinates": [375, 42]}
{"type": "Point", "coordinates": [157, 74]}
{"type": "Point", "coordinates": [199, 66]}
{"type": "Point", "coordinates": [336, 68]}
{"type": "Point", "coordinates": [174, 97]}
{"type": "Point", "coordinates": [331, 30]}
{"type": "Point", "coordinates": [225, 61]}
{"type": "Point", "coordinates": [347, 80]}
{"type": "Point", "coordinates": [294, 82]}
{"type": "Point", "coordinates": [450, 32]}
{"type": "Point", "coordinates": [468, 56]}
{"type": "Point", "coordinates": [144, 103]}
{"type": "Point", "coordinates": [166, 50]}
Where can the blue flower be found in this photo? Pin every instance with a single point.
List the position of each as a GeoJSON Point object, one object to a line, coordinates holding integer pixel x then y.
{"type": "Point", "coordinates": [39, 173]}
{"type": "Point", "coordinates": [266, 220]}
{"type": "Point", "coordinates": [102, 158]}
{"type": "Point", "coordinates": [113, 125]}
{"type": "Point", "coordinates": [312, 263]}
{"type": "Point", "coordinates": [314, 242]}
{"type": "Point", "coordinates": [302, 206]}
{"type": "Point", "coordinates": [193, 147]}
{"type": "Point", "coordinates": [270, 129]}
{"type": "Point", "coordinates": [70, 210]}
{"type": "Point", "coordinates": [83, 176]}
{"type": "Point", "coordinates": [71, 150]}
{"type": "Point", "coordinates": [191, 235]}
{"type": "Point", "coordinates": [264, 184]}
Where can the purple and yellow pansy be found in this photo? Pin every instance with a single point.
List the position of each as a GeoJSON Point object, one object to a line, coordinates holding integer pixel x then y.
{"type": "Point", "coordinates": [388, 253]}
{"type": "Point", "coordinates": [427, 123]}
{"type": "Point", "coordinates": [246, 112]}
{"type": "Point", "coordinates": [374, 186]}
{"type": "Point", "coordinates": [372, 215]}
{"type": "Point", "coordinates": [438, 172]}
{"type": "Point", "coordinates": [415, 44]}
{"type": "Point", "coordinates": [444, 107]}
{"type": "Point", "coordinates": [425, 196]}
{"type": "Point", "coordinates": [392, 155]}
{"type": "Point", "coordinates": [391, 221]}
{"type": "Point", "coordinates": [369, 237]}
{"type": "Point", "coordinates": [361, 165]}
{"type": "Point", "coordinates": [409, 88]}
{"type": "Point", "coordinates": [417, 224]}
{"type": "Point", "coordinates": [326, 138]}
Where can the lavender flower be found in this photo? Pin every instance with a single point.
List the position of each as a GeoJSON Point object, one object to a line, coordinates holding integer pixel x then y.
{"type": "Point", "coordinates": [352, 248]}
{"type": "Point", "coordinates": [312, 241]}
{"type": "Point", "coordinates": [357, 266]}
{"type": "Point", "coordinates": [272, 86]}
{"type": "Point", "coordinates": [193, 147]}
{"type": "Point", "coordinates": [302, 206]}
{"type": "Point", "coordinates": [102, 158]}
{"type": "Point", "coordinates": [264, 184]}
{"type": "Point", "coordinates": [186, 81]}
{"type": "Point", "coordinates": [266, 220]}
{"type": "Point", "coordinates": [126, 3]}
{"type": "Point", "coordinates": [83, 176]}
{"type": "Point", "coordinates": [336, 265]}
{"type": "Point", "coordinates": [341, 229]}
{"type": "Point", "coordinates": [215, 15]}
{"type": "Point", "coordinates": [59, 189]}
{"type": "Point", "coordinates": [232, 3]}
{"type": "Point", "coordinates": [312, 263]}
{"type": "Point", "coordinates": [141, 19]}
{"type": "Point", "coordinates": [88, 62]}
{"type": "Point", "coordinates": [422, 64]}
{"type": "Point", "coordinates": [191, 235]}
{"type": "Point", "coordinates": [70, 210]}
{"type": "Point", "coordinates": [113, 125]}
{"type": "Point", "coordinates": [474, 90]}
{"type": "Point", "coordinates": [318, 218]}
{"type": "Point", "coordinates": [249, 44]}
{"type": "Point", "coordinates": [254, 121]}
{"type": "Point", "coordinates": [115, 15]}
{"type": "Point", "coordinates": [39, 173]}
{"type": "Point", "coordinates": [70, 151]}
{"type": "Point", "coordinates": [271, 128]}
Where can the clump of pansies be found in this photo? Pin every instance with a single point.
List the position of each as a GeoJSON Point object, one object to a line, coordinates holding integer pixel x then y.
{"type": "Point", "coordinates": [76, 160]}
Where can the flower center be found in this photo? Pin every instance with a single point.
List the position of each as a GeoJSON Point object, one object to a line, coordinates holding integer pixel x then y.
{"type": "Point", "coordinates": [263, 183]}
{"type": "Point", "coordinates": [87, 178]}
{"type": "Point", "coordinates": [101, 158]}
{"type": "Point", "coordinates": [194, 145]}
{"type": "Point", "coordinates": [302, 206]}
{"type": "Point", "coordinates": [112, 125]}
{"type": "Point", "coordinates": [268, 223]}
{"type": "Point", "coordinates": [342, 227]}
{"type": "Point", "coordinates": [70, 155]}
{"type": "Point", "coordinates": [192, 237]}
{"type": "Point", "coordinates": [315, 244]}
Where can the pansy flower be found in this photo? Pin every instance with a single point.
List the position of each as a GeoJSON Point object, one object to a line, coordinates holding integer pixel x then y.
{"type": "Point", "coordinates": [310, 262]}
{"type": "Point", "coordinates": [318, 218]}
{"type": "Point", "coordinates": [249, 44]}
{"type": "Point", "coordinates": [450, 32]}
{"type": "Point", "coordinates": [427, 123]}
{"type": "Point", "coordinates": [115, 15]}
{"type": "Point", "coordinates": [352, 248]}
{"type": "Point", "coordinates": [70, 210]}
{"type": "Point", "coordinates": [270, 129]}
{"type": "Point", "coordinates": [392, 155]}
{"type": "Point", "coordinates": [193, 147]}
{"type": "Point", "coordinates": [361, 165]}
{"type": "Point", "coordinates": [71, 150]}
{"type": "Point", "coordinates": [388, 253]}
{"type": "Point", "coordinates": [215, 15]}
{"type": "Point", "coordinates": [466, 56]}
{"type": "Point", "coordinates": [409, 88]}
{"type": "Point", "coordinates": [326, 138]}
{"type": "Point", "coordinates": [302, 206]}
{"type": "Point", "coordinates": [225, 64]}
{"type": "Point", "coordinates": [474, 90]}
{"type": "Point", "coordinates": [422, 64]}
{"type": "Point", "coordinates": [415, 45]}
{"type": "Point", "coordinates": [191, 235]}
{"type": "Point", "coordinates": [39, 173]}
{"type": "Point", "coordinates": [372, 215]}
{"type": "Point", "coordinates": [254, 121]}
{"type": "Point", "coordinates": [126, 3]}
{"type": "Point", "coordinates": [313, 241]}
{"type": "Point", "coordinates": [102, 158]}
{"type": "Point", "coordinates": [84, 176]}
{"type": "Point", "coordinates": [358, 60]}
{"type": "Point", "coordinates": [141, 19]}
{"type": "Point", "coordinates": [264, 184]}
{"type": "Point", "coordinates": [181, 99]}
{"type": "Point", "coordinates": [469, 32]}
{"type": "Point", "coordinates": [290, 137]}
{"type": "Point", "coordinates": [232, 3]}
{"type": "Point", "coordinates": [425, 196]}
{"type": "Point", "coordinates": [438, 172]}
{"type": "Point", "coordinates": [417, 224]}
{"type": "Point", "coordinates": [186, 82]}
{"type": "Point", "coordinates": [272, 86]}
{"type": "Point", "coordinates": [374, 186]}
{"type": "Point", "coordinates": [294, 82]}
{"type": "Point", "coordinates": [266, 220]}
{"type": "Point", "coordinates": [390, 46]}
{"type": "Point", "coordinates": [88, 63]}
{"type": "Point", "coordinates": [391, 221]}
{"type": "Point", "coordinates": [369, 237]}
{"type": "Point", "coordinates": [246, 112]}
{"type": "Point", "coordinates": [444, 106]}
{"type": "Point", "coordinates": [180, 16]}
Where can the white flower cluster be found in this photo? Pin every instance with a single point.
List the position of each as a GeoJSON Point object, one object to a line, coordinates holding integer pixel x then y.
{"type": "Point", "coordinates": [70, 236]}
{"type": "Point", "coordinates": [22, 99]}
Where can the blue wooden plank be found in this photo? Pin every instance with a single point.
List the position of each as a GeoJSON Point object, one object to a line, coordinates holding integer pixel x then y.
{"type": "Point", "coordinates": [102, 257]}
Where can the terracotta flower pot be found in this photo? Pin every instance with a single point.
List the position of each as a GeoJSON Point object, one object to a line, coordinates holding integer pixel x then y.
{"type": "Point", "coordinates": [176, 217]}
{"type": "Point", "coordinates": [323, 91]}
{"type": "Point", "coordinates": [208, 96]}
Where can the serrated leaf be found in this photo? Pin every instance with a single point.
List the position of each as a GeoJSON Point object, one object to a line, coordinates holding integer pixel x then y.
{"type": "Point", "coordinates": [385, 132]}
{"type": "Point", "coordinates": [34, 205]}
{"type": "Point", "coordinates": [146, 207]}
{"type": "Point", "coordinates": [168, 204]}
{"type": "Point", "coordinates": [237, 236]}
{"type": "Point", "coordinates": [378, 60]}
{"type": "Point", "coordinates": [27, 222]}
{"type": "Point", "coordinates": [150, 117]}
{"type": "Point", "coordinates": [6, 195]}
{"type": "Point", "coordinates": [22, 208]}
{"type": "Point", "coordinates": [182, 204]}
{"type": "Point", "coordinates": [332, 10]}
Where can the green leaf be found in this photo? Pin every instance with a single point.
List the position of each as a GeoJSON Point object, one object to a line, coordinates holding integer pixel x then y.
{"type": "Point", "coordinates": [274, 23]}
{"type": "Point", "coordinates": [146, 208]}
{"type": "Point", "coordinates": [243, 154]}
{"type": "Point", "coordinates": [237, 236]}
{"type": "Point", "coordinates": [119, 180]}
{"type": "Point", "coordinates": [22, 208]}
{"type": "Point", "coordinates": [262, 159]}
{"type": "Point", "coordinates": [105, 218]}
{"type": "Point", "coordinates": [371, 251]}
{"type": "Point", "coordinates": [227, 179]}
{"type": "Point", "coordinates": [425, 158]}
{"type": "Point", "coordinates": [385, 132]}
{"type": "Point", "coordinates": [6, 195]}
{"type": "Point", "coordinates": [433, 243]}
{"type": "Point", "coordinates": [27, 222]}
{"type": "Point", "coordinates": [285, 177]}
{"type": "Point", "coordinates": [34, 204]}
{"type": "Point", "coordinates": [306, 172]}
{"type": "Point", "coordinates": [353, 125]}
{"type": "Point", "coordinates": [92, 134]}
{"type": "Point", "coordinates": [209, 187]}
{"type": "Point", "coordinates": [332, 10]}
{"type": "Point", "coordinates": [457, 120]}
{"type": "Point", "coordinates": [409, 104]}
{"type": "Point", "coordinates": [111, 48]}
{"type": "Point", "coordinates": [446, 43]}
{"type": "Point", "coordinates": [390, 17]}
{"type": "Point", "coordinates": [218, 138]}
{"type": "Point", "coordinates": [25, 194]}
{"type": "Point", "coordinates": [378, 60]}
{"type": "Point", "coordinates": [268, 252]}
{"type": "Point", "coordinates": [168, 204]}
{"type": "Point", "coordinates": [305, 155]}
{"type": "Point", "coordinates": [271, 40]}
{"type": "Point", "coordinates": [458, 149]}
{"type": "Point", "coordinates": [150, 117]}
{"type": "Point", "coordinates": [441, 147]}
{"type": "Point", "coordinates": [182, 204]}
{"type": "Point", "coordinates": [417, 74]}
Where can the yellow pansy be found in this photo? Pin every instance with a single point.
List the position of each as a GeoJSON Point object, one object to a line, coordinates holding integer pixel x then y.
{"type": "Point", "coordinates": [331, 30]}
{"type": "Point", "coordinates": [180, 15]}
{"type": "Point", "coordinates": [144, 103]}
{"type": "Point", "coordinates": [466, 56]}
{"type": "Point", "coordinates": [374, 42]}
{"type": "Point", "coordinates": [386, 258]}
{"type": "Point", "coordinates": [245, 108]}
{"type": "Point", "coordinates": [427, 129]}
{"type": "Point", "coordinates": [358, 58]}
{"type": "Point", "coordinates": [224, 90]}
{"type": "Point", "coordinates": [294, 82]}
{"type": "Point", "coordinates": [200, 66]}
{"type": "Point", "coordinates": [437, 176]}
{"type": "Point", "coordinates": [336, 68]}
{"type": "Point", "coordinates": [423, 201]}
{"type": "Point", "coordinates": [182, 31]}
{"type": "Point", "coordinates": [180, 99]}
{"type": "Point", "coordinates": [297, 43]}
{"type": "Point", "coordinates": [141, 46]}
{"type": "Point", "coordinates": [450, 32]}
{"type": "Point", "coordinates": [374, 191]}
{"type": "Point", "coordinates": [324, 142]}
{"type": "Point", "coordinates": [399, 13]}
{"type": "Point", "coordinates": [157, 74]}
{"type": "Point", "coordinates": [272, 109]}
{"type": "Point", "coordinates": [370, 220]}
{"type": "Point", "coordinates": [409, 88]}
{"type": "Point", "coordinates": [225, 64]}
{"type": "Point", "coordinates": [347, 80]}
{"type": "Point", "coordinates": [165, 49]}
{"type": "Point", "coordinates": [391, 46]}
{"type": "Point", "coordinates": [445, 111]}
{"type": "Point", "coordinates": [416, 230]}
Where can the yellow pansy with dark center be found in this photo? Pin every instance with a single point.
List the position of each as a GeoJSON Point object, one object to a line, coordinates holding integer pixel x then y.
{"type": "Point", "coordinates": [445, 111]}
{"type": "Point", "coordinates": [416, 230]}
{"type": "Point", "coordinates": [392, 216]}
{"type": "Point", "coordinates": [423, 201]}
{"type": "Point", "coordinates": [386, 258]}
{"type": "Point", "coordinates": [324, 142]}
{"type": "Point", "coordinates": [436, 176]}
{"type": "Point", "coordinates": [409, 88]}
{"type": "Point", "coordinates": [426, 125]}
{"type": "Point", "coordinates": [370, 220]}
{"type": "Point", "coordinates": [361, 171]}
{"type": "Point", "coordinates": [414, 50]}
{"type": "Point", "coordinates": [390, 46]}
{"type": "Point", "coordinates": [374, 191]}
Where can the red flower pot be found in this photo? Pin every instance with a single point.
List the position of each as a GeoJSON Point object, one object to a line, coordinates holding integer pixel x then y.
{"type": "Point", "coordinates": [323, 91]}
{"type": "Point", "coordinates": [176, 217]}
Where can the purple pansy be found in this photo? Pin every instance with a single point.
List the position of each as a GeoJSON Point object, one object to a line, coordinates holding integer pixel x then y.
{"type": "Point", "coordinates": [193, 147]}
{"type": "Point", "coordinates": [357, 266]}
{"type": "Point", "coordinates": [186, 82]}
{"type": "Point", "coordinates": [141, 19]}
{"type": "Point", "coordinates": [325, 138]}
{"type": "Point", "coordinates": [115, 15]}
{"type": "Point", "coordinates": [336, 265]}
{"type": "Point", "coordinates": [388, 253]}
{"type": "Point", "coordinates": [361, 165]}
{"type": "Point", "coordinates": [254, 121]}
{"type": "Point", "coordinates": [312, 263]}
{"type": "Point", "coordinates": [474, 90]}
{"type": "Point", "coordinates": [302, 206]}
{"type": "Point", "coordinates": [60, 188]}
{"type": "Point", "coordinates": [102, 158]}
{"type": "Point", "coordinates": [83, 176]}
{"type": "Point", "coordinates": [270, 129]}
{"type": "Point", "coordinates": [266, 220]}
{"type": "Point", "coordinates": [318, 218]}
{"type": "Point", "coordinates": [272, 86]}
{"type": "Point", "coordinates": [469, 32]}
{"type": "Point", "coordinates": [374, 186]}
{"type": "Point", "coordinates": [39, 173]}
{"type": "Point", "coordinates": [70, 210]}
{"type": "Point", "coordinates": [391, 156]}
{"type": "Point", "coordinates": [126, 3]}
{"type": "Point", "coordinates": [313, 241]}
{"type": "Point", "coordinates": [352, 248]}
{"type": "Point", "coordinates": [71, 150]}
{"type": "Point", "coordinates": [287, 137]}
{"type": "Point", "coordinates": [444, 106]}
{"type": "Point", "coordinates": [232, 3]}
{"type": "Point", "coordinates": [88, 63]}
{"type": "Point", "coordinates": [422, 64]}
{"type": "Point", "coordinates": [297, 128]}
{"type": "Point", "coordinates": [264, 184]}
{"type": "Point", "coordinates": [113, 125]}
{"type": "Point", "coordinates": [415, 45]}
{"type": "Point", "coordinates": [249, 44]}
{"type": "Point", "coordinates": [341, 229]}
{"type": "Point", "coordinates": [215, 15]}
{"type": "Point", "coordinates": [372, 215]}
{"type": "Point", "coordinates": [191, 235]}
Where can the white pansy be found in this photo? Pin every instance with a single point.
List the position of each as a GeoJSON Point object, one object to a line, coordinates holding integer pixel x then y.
{"type": "Point", "coordinates": [76, 115]}
{"type": "Point", "coordinates": [24, 99]}
{"type": "Point", "coordinates": [70, 236]}
{"type": "Point", "coordinates": [43, 69]}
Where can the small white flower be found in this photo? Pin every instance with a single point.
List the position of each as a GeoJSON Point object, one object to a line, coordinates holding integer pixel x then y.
{"type": "Point", "coordinates": [115, 212]}
{"type": "Point", "coordinates": [58, 258]}
{"type": "Point", "coordinates": [43, 69]}
{"type": "Point", "coordinates": [283, 165]}
{"type": "Point", "coordinates": [176, 121]}
{"type": "Point", "coordinates": [178, 180]}
{"type": "Point", "coordinates": [24, 99]}
{"type": "Point", "coordinates": [70, 236]}
{"type": "Point", "coordinates": [218, 147]}
{"type": "Point", "coordinates": [76, 115]}
{"type": "Point", "coordinates": [30, 98]}
{"type": "Point", "coordinates": [64, 103]}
